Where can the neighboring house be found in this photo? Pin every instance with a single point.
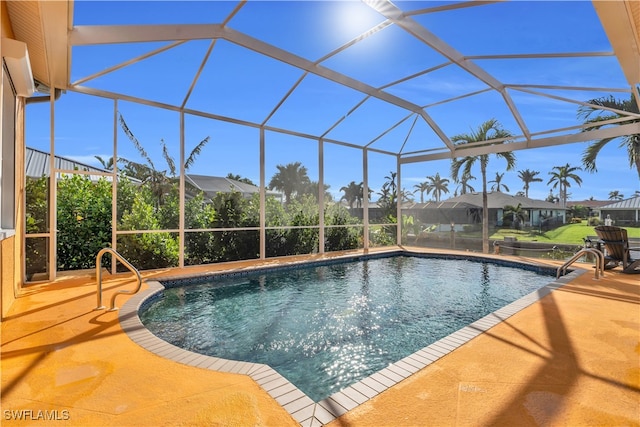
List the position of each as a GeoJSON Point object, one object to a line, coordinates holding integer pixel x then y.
{"type": "Point", "coordinates": [212, 185]}
{"type": "Point", "coordinates": [467, 209]}
{"type": "Point", "coordinates": [37, 165]}
{"type": "Point", "coordinates": [593, 206]}
{"type": "Point", "coordinates": [624, 212]}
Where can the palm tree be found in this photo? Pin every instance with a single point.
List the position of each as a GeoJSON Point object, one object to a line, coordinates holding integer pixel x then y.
{"type": "Point", "coordinates": [615, 195]}
{"type": "Point", "coordinates": [290, 179]}
{"type": "Point", "coordinates": [528, 176]}
{"type": "Point", "coordinates": [311, 187]}
{"type": "Point", "coordinates": [353, 194]}
{"type": "Point", "coordinates": [437, 185]}
{"type": "Point", "coordinates": [497, 183]}
{"type": "Point", "coordinates": [594, 114]}
{"type": "Point", "coordinates": [406, 195]}
{"type": "Point", "coordinates": [560, 176]}
{"type": "Point", "coordinates": [516, 214]}
{"type": "Point", "coordinates": [106, 164]}
{"type": "Point", "coordinates": [391, 181]}
{"type": "Point", "coordinates": [388, 196]}
{"type": "Point", "coordinates": [422, 187]}
{"type": "Point", "coordinates": [463, 184]}
{"type": "Point", "coordinates": [159, 182]}
{"type": "Point", "coordinates": [490, 129]}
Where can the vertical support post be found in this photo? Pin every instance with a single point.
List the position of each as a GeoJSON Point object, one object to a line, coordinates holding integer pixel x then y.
{"type": "Point", "coordinates": [365, 196]}
{"type": "Point", "coordinates": [263, 198]}
{"type": "Point", "coordinates": [398, 203]}
{"type": "Point", "coordinates": [182, 195]}
{"type": "Point", "coordinates": [114, 193]}
{"type": "Point", "coordinates": [321, 195]}
{"type": "Point", "coordinates": [53, 220]}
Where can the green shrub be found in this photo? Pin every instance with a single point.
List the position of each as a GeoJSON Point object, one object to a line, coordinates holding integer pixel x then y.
{"type": "Point", "coordinates": [342, 238]}
{"type": "Point", "coordinates": [146, 250]}
{"type": "Point", "coordinates": [84, 221]}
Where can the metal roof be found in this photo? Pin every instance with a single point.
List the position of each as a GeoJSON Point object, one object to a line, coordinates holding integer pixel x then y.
{"type": "Point", "coordinates": [37, 164]}
{"type": "Point", "coordinates": [632, 203]}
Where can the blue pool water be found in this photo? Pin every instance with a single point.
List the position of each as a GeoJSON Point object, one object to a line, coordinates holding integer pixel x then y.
{"type": "Point", "coordinates": [324, 328]}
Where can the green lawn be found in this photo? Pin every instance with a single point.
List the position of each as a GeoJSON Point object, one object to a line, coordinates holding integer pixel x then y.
{"type": "Point", "coordinates": [569, 234]}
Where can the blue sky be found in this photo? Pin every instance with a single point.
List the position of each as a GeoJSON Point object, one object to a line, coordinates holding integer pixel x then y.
{"type": "Point", "coordinates": [244, 85]}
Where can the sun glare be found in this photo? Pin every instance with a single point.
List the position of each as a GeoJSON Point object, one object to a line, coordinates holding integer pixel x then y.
{"type": "Point", "coordinates": [349, 19]}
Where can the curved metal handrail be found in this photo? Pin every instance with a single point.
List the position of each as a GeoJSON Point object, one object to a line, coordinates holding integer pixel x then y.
{"type": "Point", "coordinates": [99, 278]}
{"type": "Point", "coordinates": [599, 261]}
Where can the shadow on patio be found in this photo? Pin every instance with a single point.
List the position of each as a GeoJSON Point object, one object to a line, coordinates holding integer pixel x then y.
{"type": "Point", "coordinates": [569, 359]}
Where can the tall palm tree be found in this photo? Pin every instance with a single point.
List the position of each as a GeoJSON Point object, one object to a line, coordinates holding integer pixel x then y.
{"type": "Point", "coordinates": [594, 114]}
{"type": "Point", "coordinates": [391, 181]}
{"type": "Point", "coordinates": [528, 176]}
{"type": "Point", "coordinates": [290, 179]}
{"type": "Point", "coordinates": [490, 129]}
{"type": "Point", "coordinates": [615, 195]}
{"type": "Point", "coordinates": [437, 185]}
{"type": "Point", "coordinates": [388, 195]}
{"type": "Point", "coordinates": [497, 183]}
{"type": "Point", "coordinates": [159, 182]}
{"type": "Point", "coordinates": [560, 176]}
{"type": "Point", "coordinates": [422, 187]}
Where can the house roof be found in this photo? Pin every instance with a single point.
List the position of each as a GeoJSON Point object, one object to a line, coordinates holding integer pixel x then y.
{"type": "Point", "coordinates": [212, 185]}
{"type": "Point", "coordinates": [495, 199]}
{"type": "Point", "coordinates": [445, 204]}
{"type": "Point", "coordinates": [632, 203]}
{"type": "Point", "coordinates": [37, 164]}
{"type": "Point", "coordinates": [593, 204]}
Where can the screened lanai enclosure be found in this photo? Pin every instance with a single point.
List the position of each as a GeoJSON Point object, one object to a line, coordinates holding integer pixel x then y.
{"type": "Point", "coordinates": [187, 133]}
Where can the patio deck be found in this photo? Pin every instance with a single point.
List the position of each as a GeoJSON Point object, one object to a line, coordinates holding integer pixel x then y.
{"type": "Point", "coordinates": [573, 358]}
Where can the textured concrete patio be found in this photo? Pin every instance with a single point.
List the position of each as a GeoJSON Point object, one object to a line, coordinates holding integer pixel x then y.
{"type": "Point", "coordinates": [573, 358]}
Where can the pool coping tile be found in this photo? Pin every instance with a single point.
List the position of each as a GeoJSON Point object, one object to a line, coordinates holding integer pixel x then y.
{"type": "Point", "coordinates": [303, 409]}
{"type": "Point", "coordinates": [364, 389]}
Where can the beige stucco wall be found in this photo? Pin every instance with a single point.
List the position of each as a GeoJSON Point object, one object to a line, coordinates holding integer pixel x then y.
{"type": "Point", "coordinates": [7, 282]}
{"type": "Point", "coordinates": [11, 248]}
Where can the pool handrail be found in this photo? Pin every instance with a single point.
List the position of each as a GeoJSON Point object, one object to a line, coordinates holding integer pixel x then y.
{"type": "Point", "coordinates": [127, 264]}
{"type": "Point", "coordinates": [599, 262]}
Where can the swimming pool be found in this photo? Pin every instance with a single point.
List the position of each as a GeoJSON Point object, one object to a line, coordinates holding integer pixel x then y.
{"type": "Point", "coordinates": [326, 327]}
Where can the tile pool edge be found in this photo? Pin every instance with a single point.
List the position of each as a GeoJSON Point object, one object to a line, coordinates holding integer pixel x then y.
{"type": "Point", "coordinates": [302, 408]}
